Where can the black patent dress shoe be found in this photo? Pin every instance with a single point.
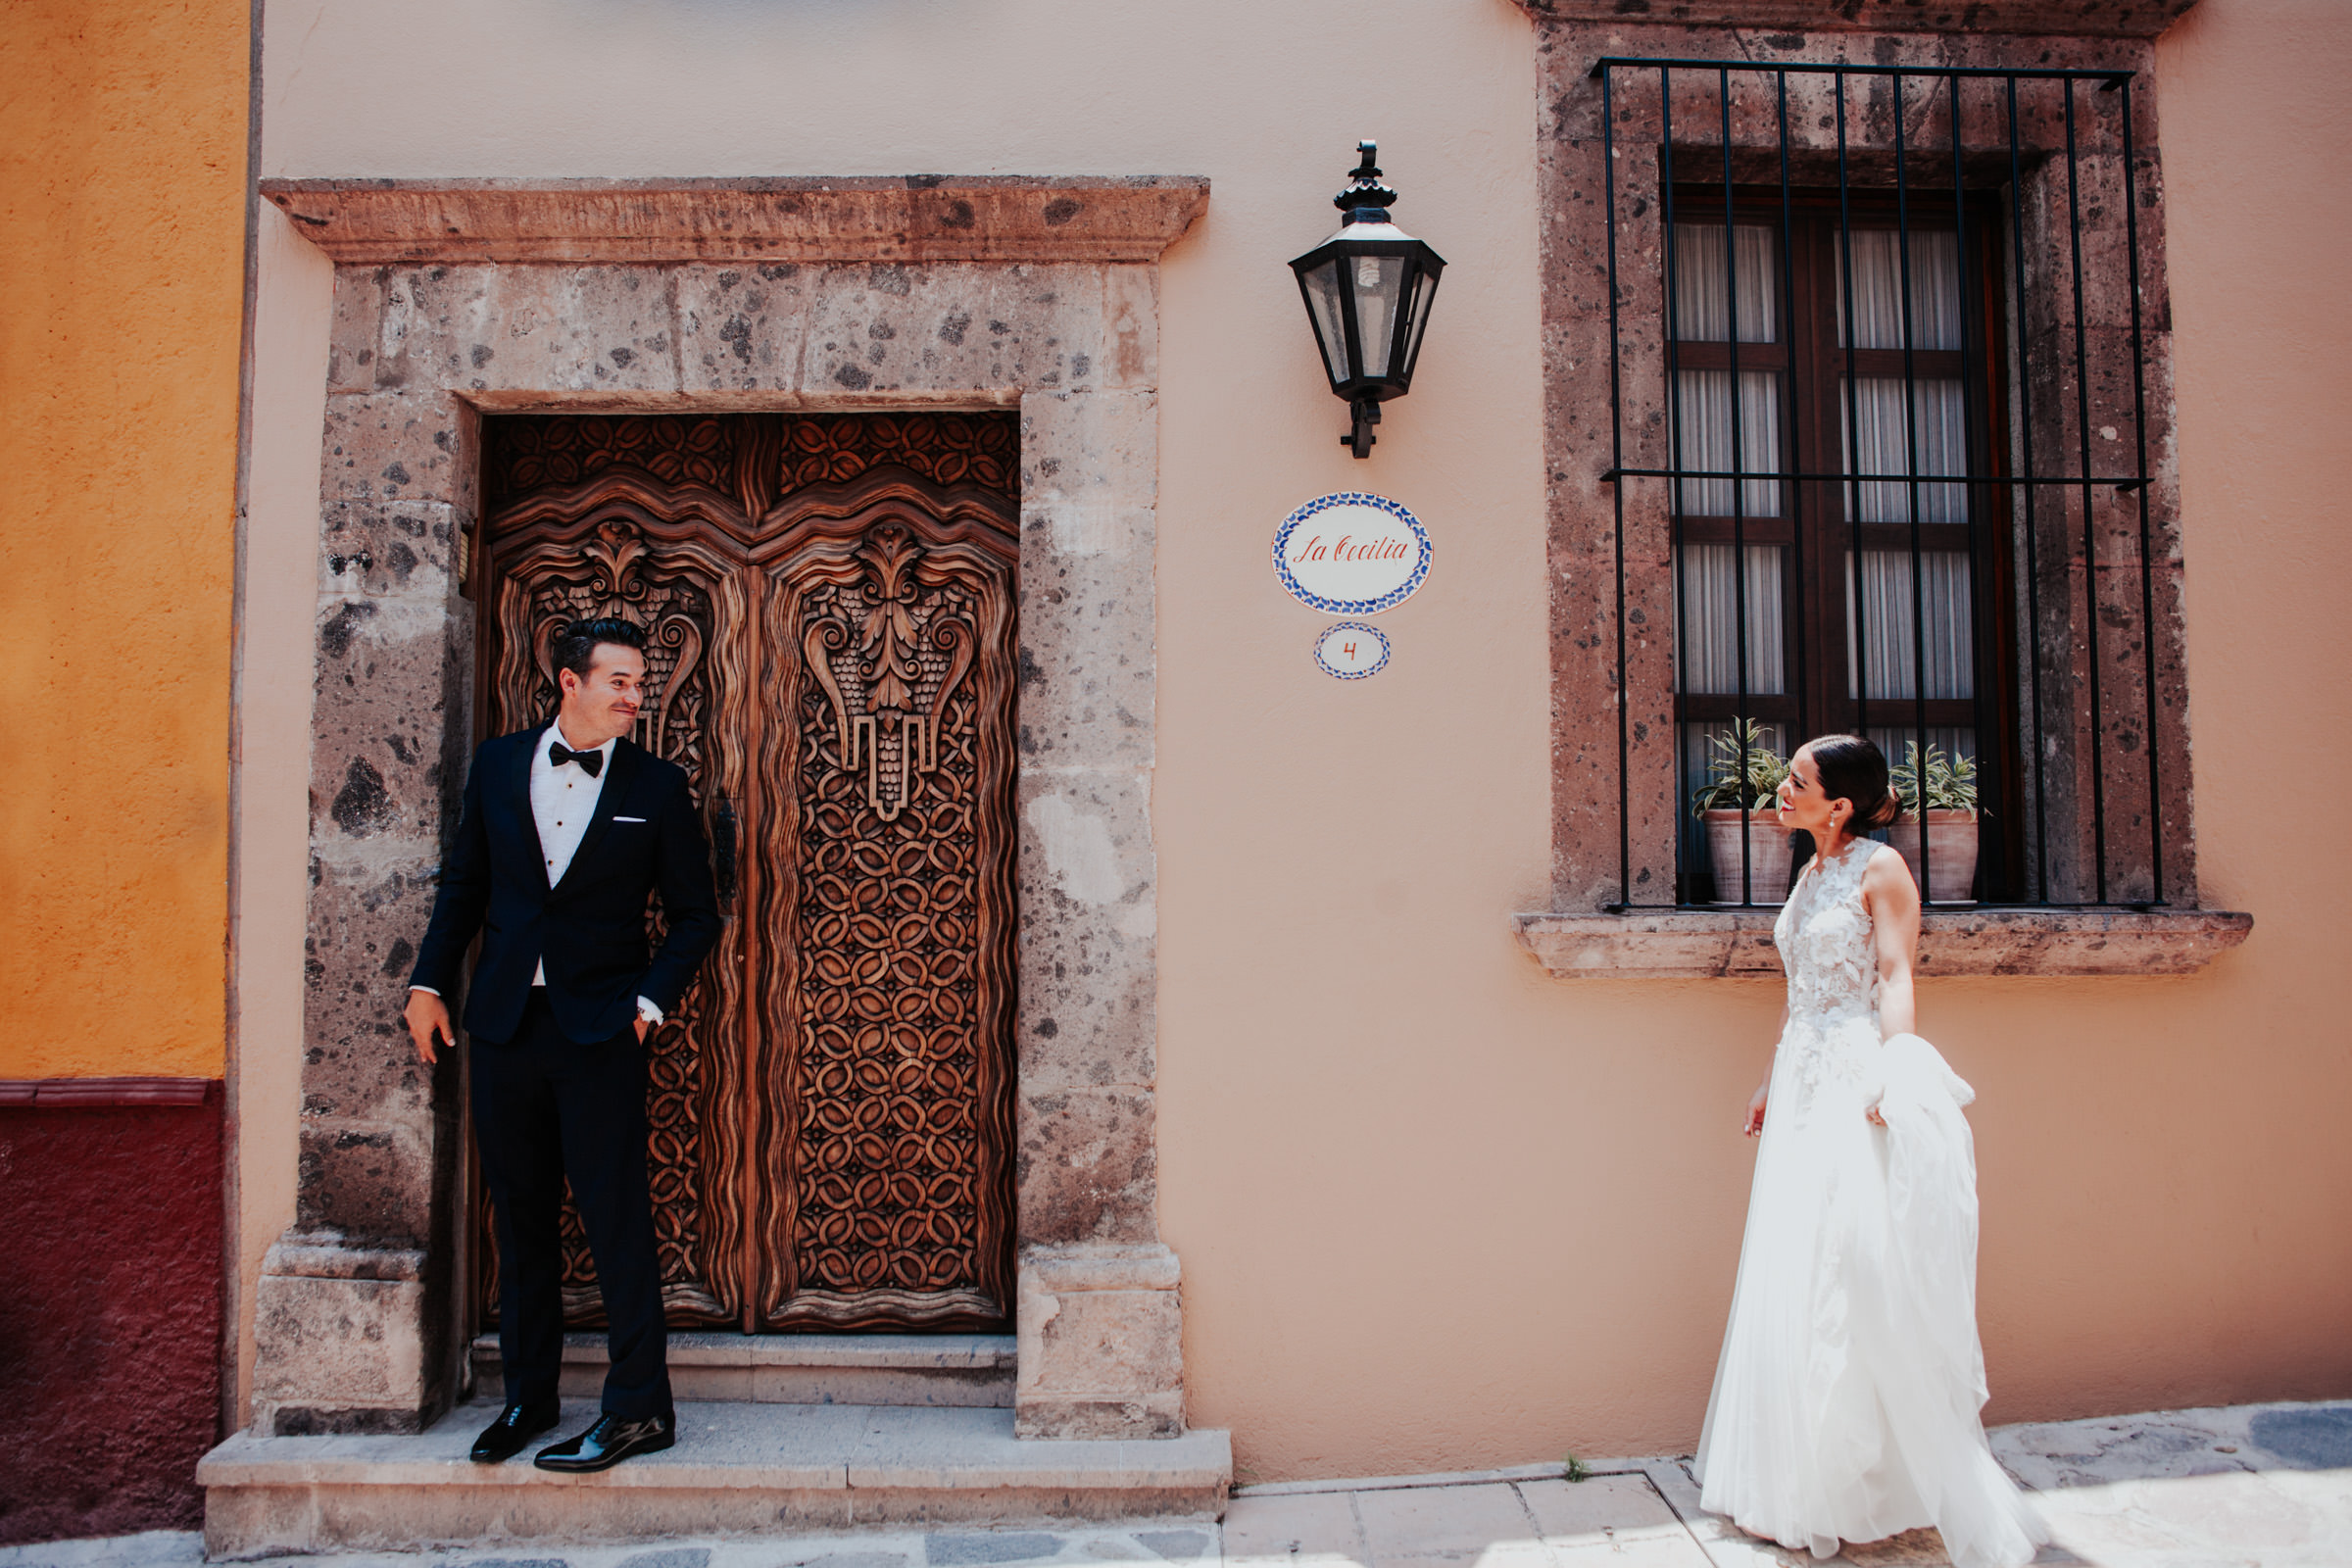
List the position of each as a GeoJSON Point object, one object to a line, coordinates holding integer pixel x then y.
{"type": "Point", "coordinates": [612, 1439]}
{"type": "Point", "coordinates": [517, 1425]}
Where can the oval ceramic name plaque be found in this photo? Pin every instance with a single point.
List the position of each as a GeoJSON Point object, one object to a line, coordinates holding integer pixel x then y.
{"type": "Point", "coordinates": [1351, 554]}
{"type": "Point", "coordinates": [1351, 650]}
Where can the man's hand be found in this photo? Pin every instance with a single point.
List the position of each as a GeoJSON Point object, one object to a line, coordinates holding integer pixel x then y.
{"type": "Point", "coordinates": [427, 1016]}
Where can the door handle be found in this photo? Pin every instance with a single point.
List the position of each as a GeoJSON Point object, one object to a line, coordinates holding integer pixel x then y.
{"type": "Point", "coordinates": [724, 837]}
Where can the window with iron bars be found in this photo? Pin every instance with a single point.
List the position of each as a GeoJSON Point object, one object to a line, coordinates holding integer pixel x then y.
{"type": "Point", "coordinates": [1879, 360]}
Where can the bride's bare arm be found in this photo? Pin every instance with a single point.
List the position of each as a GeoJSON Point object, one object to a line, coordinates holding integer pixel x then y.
{"type": "Point", "coordinates": [1894, 900]}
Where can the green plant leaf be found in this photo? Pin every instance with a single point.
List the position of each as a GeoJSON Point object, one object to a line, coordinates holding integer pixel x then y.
{"type": "Point", "coordinates": [1743, 772]}
{"type": "Point", "coordinates": [1949, 783]}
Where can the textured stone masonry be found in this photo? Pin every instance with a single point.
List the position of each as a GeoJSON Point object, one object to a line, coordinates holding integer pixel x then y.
{"type": "Point", "coordinates": [571, 298]}
{"type": "Point", "coordinates": [2070, 616]}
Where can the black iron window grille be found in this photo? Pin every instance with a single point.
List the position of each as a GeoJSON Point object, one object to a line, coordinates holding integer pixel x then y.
{"type": "Point", "coordinates": [1881, 436]}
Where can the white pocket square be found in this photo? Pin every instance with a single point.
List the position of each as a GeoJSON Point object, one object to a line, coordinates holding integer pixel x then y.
{"type": "Point", "coordinates": [628, 819]}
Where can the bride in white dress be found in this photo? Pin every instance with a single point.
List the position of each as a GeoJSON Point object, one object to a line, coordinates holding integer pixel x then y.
{"type": "Point", "coordinates": [1847, 1399]}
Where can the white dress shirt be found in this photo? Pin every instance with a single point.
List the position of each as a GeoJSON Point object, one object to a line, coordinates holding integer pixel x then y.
{"type": "Point", "coordinates": [562, 799]}
{"type": "Point", "coordinates": [563, 802]}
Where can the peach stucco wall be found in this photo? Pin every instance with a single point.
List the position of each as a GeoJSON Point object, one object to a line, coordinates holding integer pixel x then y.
{"type": "Point", "coordinates": [273, 831]}
{"type": "Point", "coordinates": [1436, 1210]}
{"type": "Point", "coordinates": [123, 136]}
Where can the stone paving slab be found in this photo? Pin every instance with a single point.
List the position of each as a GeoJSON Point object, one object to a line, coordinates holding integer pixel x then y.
{"type": "Point", "coordinates": [739, 1446]}
{"type": "Point", "coordinates": [2266, 1485]}
{"type": "Point", "coordinates": [2263, 1486]}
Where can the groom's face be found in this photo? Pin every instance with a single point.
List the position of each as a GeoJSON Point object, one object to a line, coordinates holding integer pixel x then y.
{"type": "Point", "coordinates": [603, 704]}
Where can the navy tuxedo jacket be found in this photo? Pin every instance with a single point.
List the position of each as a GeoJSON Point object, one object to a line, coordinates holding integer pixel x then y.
{"type": "Point", "coordinates": [644, 838]}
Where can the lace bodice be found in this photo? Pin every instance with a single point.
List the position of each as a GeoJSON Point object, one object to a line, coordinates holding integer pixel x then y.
{"type": "Point", "coordinates": [1826, 945]}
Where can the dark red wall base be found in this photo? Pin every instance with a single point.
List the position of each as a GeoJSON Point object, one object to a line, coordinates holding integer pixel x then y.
{"type": "Point", "coordinates": [110, 1305]}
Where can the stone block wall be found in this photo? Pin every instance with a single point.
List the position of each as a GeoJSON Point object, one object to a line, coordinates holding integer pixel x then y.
{"type": "Point", "coordinates": [2070, 614]}
{"type": "Point", "coordinates": [358, 1321]}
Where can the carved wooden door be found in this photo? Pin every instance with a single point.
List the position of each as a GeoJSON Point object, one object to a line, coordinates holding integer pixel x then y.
{"type": "Point", "coordinates": [829, 606]}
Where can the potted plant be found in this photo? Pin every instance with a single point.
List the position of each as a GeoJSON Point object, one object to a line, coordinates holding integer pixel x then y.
{"type": "Point", "coordinates": [1744, 775]}
{"type": "Point", "coordinates": [1948, 785]}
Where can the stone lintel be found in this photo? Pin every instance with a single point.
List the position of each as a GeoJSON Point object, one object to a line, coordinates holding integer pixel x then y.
{"type": "Point", "coordinates": [1703, 944]}
{"type": "Point", "coordinates": [610, 222]}
{"type": "Point", "coordinates": [2082, 18]}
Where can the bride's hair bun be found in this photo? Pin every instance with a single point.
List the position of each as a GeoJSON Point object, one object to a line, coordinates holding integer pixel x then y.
{"type": "Point", "coordinates": [1853, 768]}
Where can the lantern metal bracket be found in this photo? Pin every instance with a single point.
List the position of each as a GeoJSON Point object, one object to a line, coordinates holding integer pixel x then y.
{"type": "Point", "coordinates": [1366, 200]}
{"type": "Point", "coordinates": [1360, 440]}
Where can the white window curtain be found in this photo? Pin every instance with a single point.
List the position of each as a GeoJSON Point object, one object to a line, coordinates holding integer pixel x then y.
{"type": "Point", "coordinates": [1710, 606]}
{"type": "Point", "coordinates": [1702, 303]}
{"type": "Point", "coordinates": [1872, 428]}
{"type": "Point", "coordinates": [1885, 650]}
{"type": "Point", "coordinates": [1703, 400]}
{"type": "Point", "coordinates": [1879, 289]}
{"type": "Point", "coordinates": [1953, 740]}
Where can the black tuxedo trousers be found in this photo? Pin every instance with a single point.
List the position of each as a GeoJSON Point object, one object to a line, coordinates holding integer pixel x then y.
{"type": "Point", "coordinates": [548, 1111]}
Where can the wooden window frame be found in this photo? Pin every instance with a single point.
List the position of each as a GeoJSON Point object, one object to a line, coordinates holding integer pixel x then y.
{"type": "Point", "coordinates": [1811, 366]}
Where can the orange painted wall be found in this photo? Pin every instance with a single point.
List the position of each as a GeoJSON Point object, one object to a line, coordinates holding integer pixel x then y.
{"type": "Point", "coordinates": [123, 172]}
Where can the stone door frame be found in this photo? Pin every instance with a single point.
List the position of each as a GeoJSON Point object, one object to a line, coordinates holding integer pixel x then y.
{"type": "Point", "coordinates": [458, 298]}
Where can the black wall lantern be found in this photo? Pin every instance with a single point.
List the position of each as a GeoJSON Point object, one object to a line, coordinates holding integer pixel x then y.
{"type": "Point", "coordinates": [1368, 290]}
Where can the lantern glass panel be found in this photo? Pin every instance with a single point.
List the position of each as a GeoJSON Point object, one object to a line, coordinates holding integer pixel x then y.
{"type": "Point", "coordinates": [1425, 289]}
{"type": "Point", "coordinates": [1379, 286]}
{"type": "Point", "coordinates": [1323, 298]}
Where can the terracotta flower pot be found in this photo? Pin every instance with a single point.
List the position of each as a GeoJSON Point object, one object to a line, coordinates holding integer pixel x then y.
{"type": "Point", "coordinates": [1951, 846]}
{"type": "Point", "coordinates": [1767, 856]}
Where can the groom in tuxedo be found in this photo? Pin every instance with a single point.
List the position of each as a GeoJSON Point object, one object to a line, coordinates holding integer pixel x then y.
{"type": "Point", "coordinates": [567, 829]}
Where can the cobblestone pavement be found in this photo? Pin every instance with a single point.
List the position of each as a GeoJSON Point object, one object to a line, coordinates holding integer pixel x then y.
{"type": "Point", "coordinates": [2261, 1486]}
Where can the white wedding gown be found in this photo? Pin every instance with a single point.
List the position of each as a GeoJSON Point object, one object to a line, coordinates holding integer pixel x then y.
{"type": "Point", "coordinates": [1846, 1402]}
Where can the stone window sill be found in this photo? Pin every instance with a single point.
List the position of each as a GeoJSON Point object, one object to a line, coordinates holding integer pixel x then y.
{"type": "Point", "coordinates": [1736, 943]}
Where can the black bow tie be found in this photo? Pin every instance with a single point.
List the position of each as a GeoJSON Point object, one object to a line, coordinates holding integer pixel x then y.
{"type": "Point", "coordinates": [591, 762]}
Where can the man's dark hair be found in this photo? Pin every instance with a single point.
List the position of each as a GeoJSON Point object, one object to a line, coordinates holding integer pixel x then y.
{"type": "Point", "coordinates": [576, 644]}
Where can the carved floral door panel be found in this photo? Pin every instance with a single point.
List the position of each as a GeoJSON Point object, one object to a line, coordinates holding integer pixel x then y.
{"type": "Point", "coordinates": [830, 617]}
{"type": "Point", "coordinates": [896, 914]}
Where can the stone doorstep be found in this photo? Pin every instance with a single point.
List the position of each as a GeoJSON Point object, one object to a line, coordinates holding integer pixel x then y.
{"type": "Point", "coordinates": [738, 1468]}
{"type": "Point", "coordinates": [969, 1370]}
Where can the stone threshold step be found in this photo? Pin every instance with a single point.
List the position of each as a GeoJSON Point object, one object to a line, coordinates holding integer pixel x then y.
{"type": "Point", "coordinates": [967, 1370]}
{"type": "Point", "coordinates": [738, 1468]}
{"type": "Point", "coordinates": [699, 1348]}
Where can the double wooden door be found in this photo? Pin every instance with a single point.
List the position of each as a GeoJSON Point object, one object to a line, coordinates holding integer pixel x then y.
{"type": "Point", "coordinates": [829, 608]}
